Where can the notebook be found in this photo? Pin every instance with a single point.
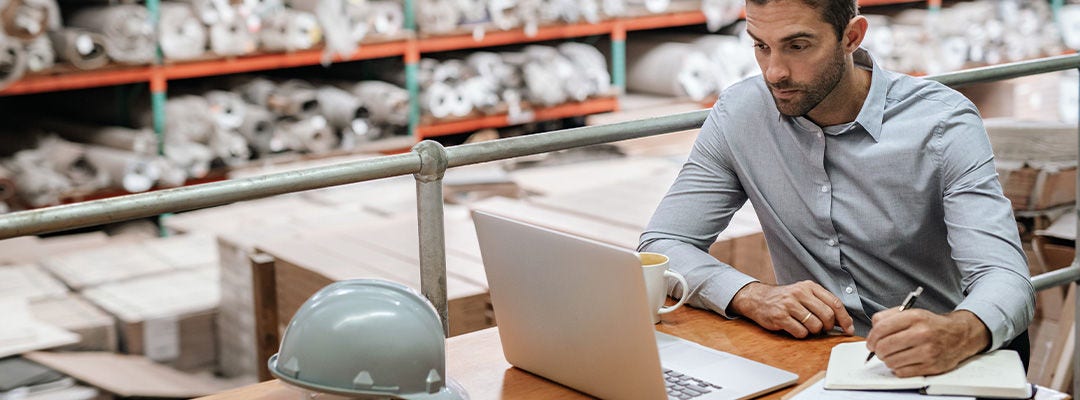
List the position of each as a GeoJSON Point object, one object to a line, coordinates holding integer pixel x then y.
{"type": "Point", "coordinates": [574, 311]}
{"type": "Point", "coordinates": [997, 374]}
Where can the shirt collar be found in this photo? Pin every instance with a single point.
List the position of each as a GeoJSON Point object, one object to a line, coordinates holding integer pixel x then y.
{"type": "Point", "coordinates": [873, 108]}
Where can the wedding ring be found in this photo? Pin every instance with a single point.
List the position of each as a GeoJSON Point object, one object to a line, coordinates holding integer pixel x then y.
{"type": "Point", "coordinates": [807, 317]}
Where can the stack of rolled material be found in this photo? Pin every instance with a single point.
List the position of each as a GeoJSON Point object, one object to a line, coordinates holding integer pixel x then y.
{"type": "Point", "coordinates": [345, 112]}
{"type": "Point", "coordinates": [29, 19]}
{"type": "Point", "coordinates": [38, 184]}
{"type": "Point", "coordinates": [182, 34]}
{"type": "Point", "coordinates": [139, 141]}
{"type": "Point", "coordinates": [387, 103]}
{"type": "Point", "coordinates": [290, 30]}
{"type": "Point", "coordinates": [437, 16]}
{"type": "Point", "coordinates": [79, 47]}
{"type": "Point", "coordinates": [129, 36]}
{"type": "Point", "coordinates": [13, 61]}
{"type": "Point", "coordinates": [693, 66]}
{"type": "Point", "coordinates": [386, 17]}
{"type": "Point", "coordinates": [720, 13]}
{"type": "Point", "coordinates": [338, 29]}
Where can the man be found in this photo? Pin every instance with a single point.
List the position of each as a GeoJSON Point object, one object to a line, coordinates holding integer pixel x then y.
{"type": "Point", "coordinates": [867, 183]}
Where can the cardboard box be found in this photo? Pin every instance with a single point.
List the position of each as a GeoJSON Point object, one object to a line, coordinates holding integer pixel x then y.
{"type": "Point", "coordinates": [1038, 187]}
{"type": "Point", "coordinates": [381, 251]}
{"type": "Point", "coordinates": [168, 317]}
{"type": "Point", "coordinates": [1036, 161]}
{"type": "Point", "coordinates": [96, 328]}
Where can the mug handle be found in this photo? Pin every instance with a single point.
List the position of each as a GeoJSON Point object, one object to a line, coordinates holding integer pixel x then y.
{"type": "Point", "coordinates": [685, 291]}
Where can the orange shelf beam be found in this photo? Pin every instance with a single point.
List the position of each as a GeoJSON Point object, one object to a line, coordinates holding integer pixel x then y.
{"type": "Point", "coordinates": [264, 62]}
{"type": "Point", "coordinates": [593, 106]}
{"type": "Point", "coordinates": [555, 32]}
{"type": "Point", "coordinates": [76, 80]}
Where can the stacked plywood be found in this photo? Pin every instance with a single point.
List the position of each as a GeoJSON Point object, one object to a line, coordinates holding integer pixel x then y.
{"type": "Point", "coordinates": [1036, 161]}
{"type": "Point", "coordinates": [238, 228]}
{"type": "Point", "coordinates": [30, 249]}
{"type": "Point", "coordinates": [73, 313]}
{"type": "Point", "coordinates": [387, 251]}
{"type": "Point", "coordinates": [167, 317]}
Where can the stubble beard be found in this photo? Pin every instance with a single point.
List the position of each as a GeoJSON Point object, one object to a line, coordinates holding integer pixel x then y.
{"type": "Point", "coordinates": [812, 93]}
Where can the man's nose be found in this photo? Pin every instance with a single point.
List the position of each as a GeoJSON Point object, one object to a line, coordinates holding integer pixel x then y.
{"type": "Point", "coordinates": [776, 70]}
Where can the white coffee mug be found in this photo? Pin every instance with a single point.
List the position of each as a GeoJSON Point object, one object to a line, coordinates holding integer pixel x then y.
{"type": "Point", "coordinates": [655, 268]}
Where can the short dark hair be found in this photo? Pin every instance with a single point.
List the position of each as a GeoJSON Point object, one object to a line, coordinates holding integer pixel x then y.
{"type": "Point", "coordinates": [835, 12]}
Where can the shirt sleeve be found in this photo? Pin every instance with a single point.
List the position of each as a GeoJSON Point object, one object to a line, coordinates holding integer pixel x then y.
{"type": "Point", "coordinates": [981, 228]}
{"type": "Point", "coordinates": [695, 210]}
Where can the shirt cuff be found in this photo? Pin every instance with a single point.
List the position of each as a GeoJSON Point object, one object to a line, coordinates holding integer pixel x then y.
{"type": "Point", "coordinates": [712, 283]}
{"type": "Point", "coordinates": [995, 320]}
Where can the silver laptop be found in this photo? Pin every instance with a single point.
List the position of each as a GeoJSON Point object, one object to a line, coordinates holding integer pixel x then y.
{"type": "Point", "coordinates": [574, 311]}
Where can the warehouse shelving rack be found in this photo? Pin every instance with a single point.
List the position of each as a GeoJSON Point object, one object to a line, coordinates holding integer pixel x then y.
{"type": "Point", "coordinates": [410, 46]}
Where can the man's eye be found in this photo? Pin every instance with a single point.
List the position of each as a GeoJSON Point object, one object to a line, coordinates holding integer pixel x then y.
{"type": "Point", "coordinates": [798, 46]}
{"type": "Point", "coordinates": [761, 46]}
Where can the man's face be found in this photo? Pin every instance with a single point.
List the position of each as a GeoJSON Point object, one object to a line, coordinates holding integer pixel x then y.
{"type": "Point", "coordinates": [798, 53]}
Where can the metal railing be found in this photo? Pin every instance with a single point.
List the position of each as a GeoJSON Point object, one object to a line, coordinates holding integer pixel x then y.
{"type": "Point", "coordinates": [429, 160]}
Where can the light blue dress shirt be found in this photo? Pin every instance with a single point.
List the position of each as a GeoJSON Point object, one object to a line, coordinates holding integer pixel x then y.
{"type": "Point", "coordinates": [905, 195]}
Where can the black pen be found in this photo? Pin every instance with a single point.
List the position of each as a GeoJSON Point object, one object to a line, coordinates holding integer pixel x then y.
{"type": "Point", "coordinates": [908, 302]}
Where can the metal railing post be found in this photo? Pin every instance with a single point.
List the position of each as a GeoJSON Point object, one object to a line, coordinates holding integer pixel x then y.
{"type": "Point", "coordinates": [429, 210]}
{"type": "Point", "coordinates": [1076, 259]}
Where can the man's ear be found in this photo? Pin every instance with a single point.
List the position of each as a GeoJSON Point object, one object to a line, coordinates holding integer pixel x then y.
{"type": "Point", "coordinates": [855, 33]}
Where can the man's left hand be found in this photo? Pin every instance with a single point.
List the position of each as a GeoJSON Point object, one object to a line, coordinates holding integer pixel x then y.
{"type": "Point", "coordinates": [918, 342]}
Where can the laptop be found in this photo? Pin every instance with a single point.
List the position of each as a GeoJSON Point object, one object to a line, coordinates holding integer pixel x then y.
{"type": "Point", "coordinates": [574, 311]}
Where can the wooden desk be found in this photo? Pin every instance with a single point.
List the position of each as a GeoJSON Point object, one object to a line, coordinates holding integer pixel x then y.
{"type": "Point", "coordinates": [475, 360]}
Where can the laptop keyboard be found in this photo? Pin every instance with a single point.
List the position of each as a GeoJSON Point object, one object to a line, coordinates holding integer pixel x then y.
{"type": "Point", "coordinates": [681, 387]}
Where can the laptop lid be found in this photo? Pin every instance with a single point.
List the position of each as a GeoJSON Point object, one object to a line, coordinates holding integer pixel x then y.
{"type": "Point", "coordinates": [570, 309]}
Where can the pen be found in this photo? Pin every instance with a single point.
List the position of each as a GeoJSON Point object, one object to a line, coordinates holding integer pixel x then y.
{"type": "Point", "coordinates": [908, 302]}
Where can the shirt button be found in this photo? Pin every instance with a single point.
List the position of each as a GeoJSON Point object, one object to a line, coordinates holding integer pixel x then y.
{"type": "Point", "coordinates": [831, 242]}
{"type": "Point", "coordinates": [848, 290]}
{"type": "Point", "coordinates": [824, 188]}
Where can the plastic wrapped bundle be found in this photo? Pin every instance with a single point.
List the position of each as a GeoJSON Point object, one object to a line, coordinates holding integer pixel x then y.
{"type": "Point", "coordinates": [230, 35]}
{"type": "Point", "coordinates": [310, 135]}
{"type": "Point", "coordinates": [183, 36]}
{"type": "Point", "coordinates": [229, 146]}
{"type": "Point", "coordinates": [192, 158]}
{"type": "Point", "coordinates": [669, 68]}
{"type": "Point", "coordinates": [257, 128]}
{"type": "Point", "coordinates": [720, 13]}
{"type": "Point", "coordinates": [437, 16]}
{"type": "Point", "coordinates": [386, 17]}
{"type": "Point", "coordinates": [70, 160]}
{"type": "Point", "coordinates": [387, 104]}
{"type": "Point", "coordinates": [226, 108]}
{"type": "Point", "coordinates": [345, 112]}
{"type": "Point", "coordinates": [38, 185]}
{"type": "Point", "coordinates": [290, 30]}
{"type": "Point", "coordinates": [139, 141]}
{"type": "Point", "coordinates": [333, 16]}
{"type": "Point", "coordinates": [590, 64]}
{"type": "Point", "coordinates": [129, 36]}
{"type": "Point", "coordinates": [29, 19]}
{"type": "Point", "coordinates": [39, 54]}
{"type": "Point", "coordinates": [79, 47]}
{"type": "Point", "coordinates": [131, 171]}
{"type": "Point", "coordinates": [471, 11]}
{"type": "Point", "coordinates": [12, 61]}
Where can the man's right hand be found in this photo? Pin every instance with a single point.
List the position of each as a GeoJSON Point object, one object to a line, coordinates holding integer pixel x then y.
{"type": "Point", "coordinates": [801, 308]}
